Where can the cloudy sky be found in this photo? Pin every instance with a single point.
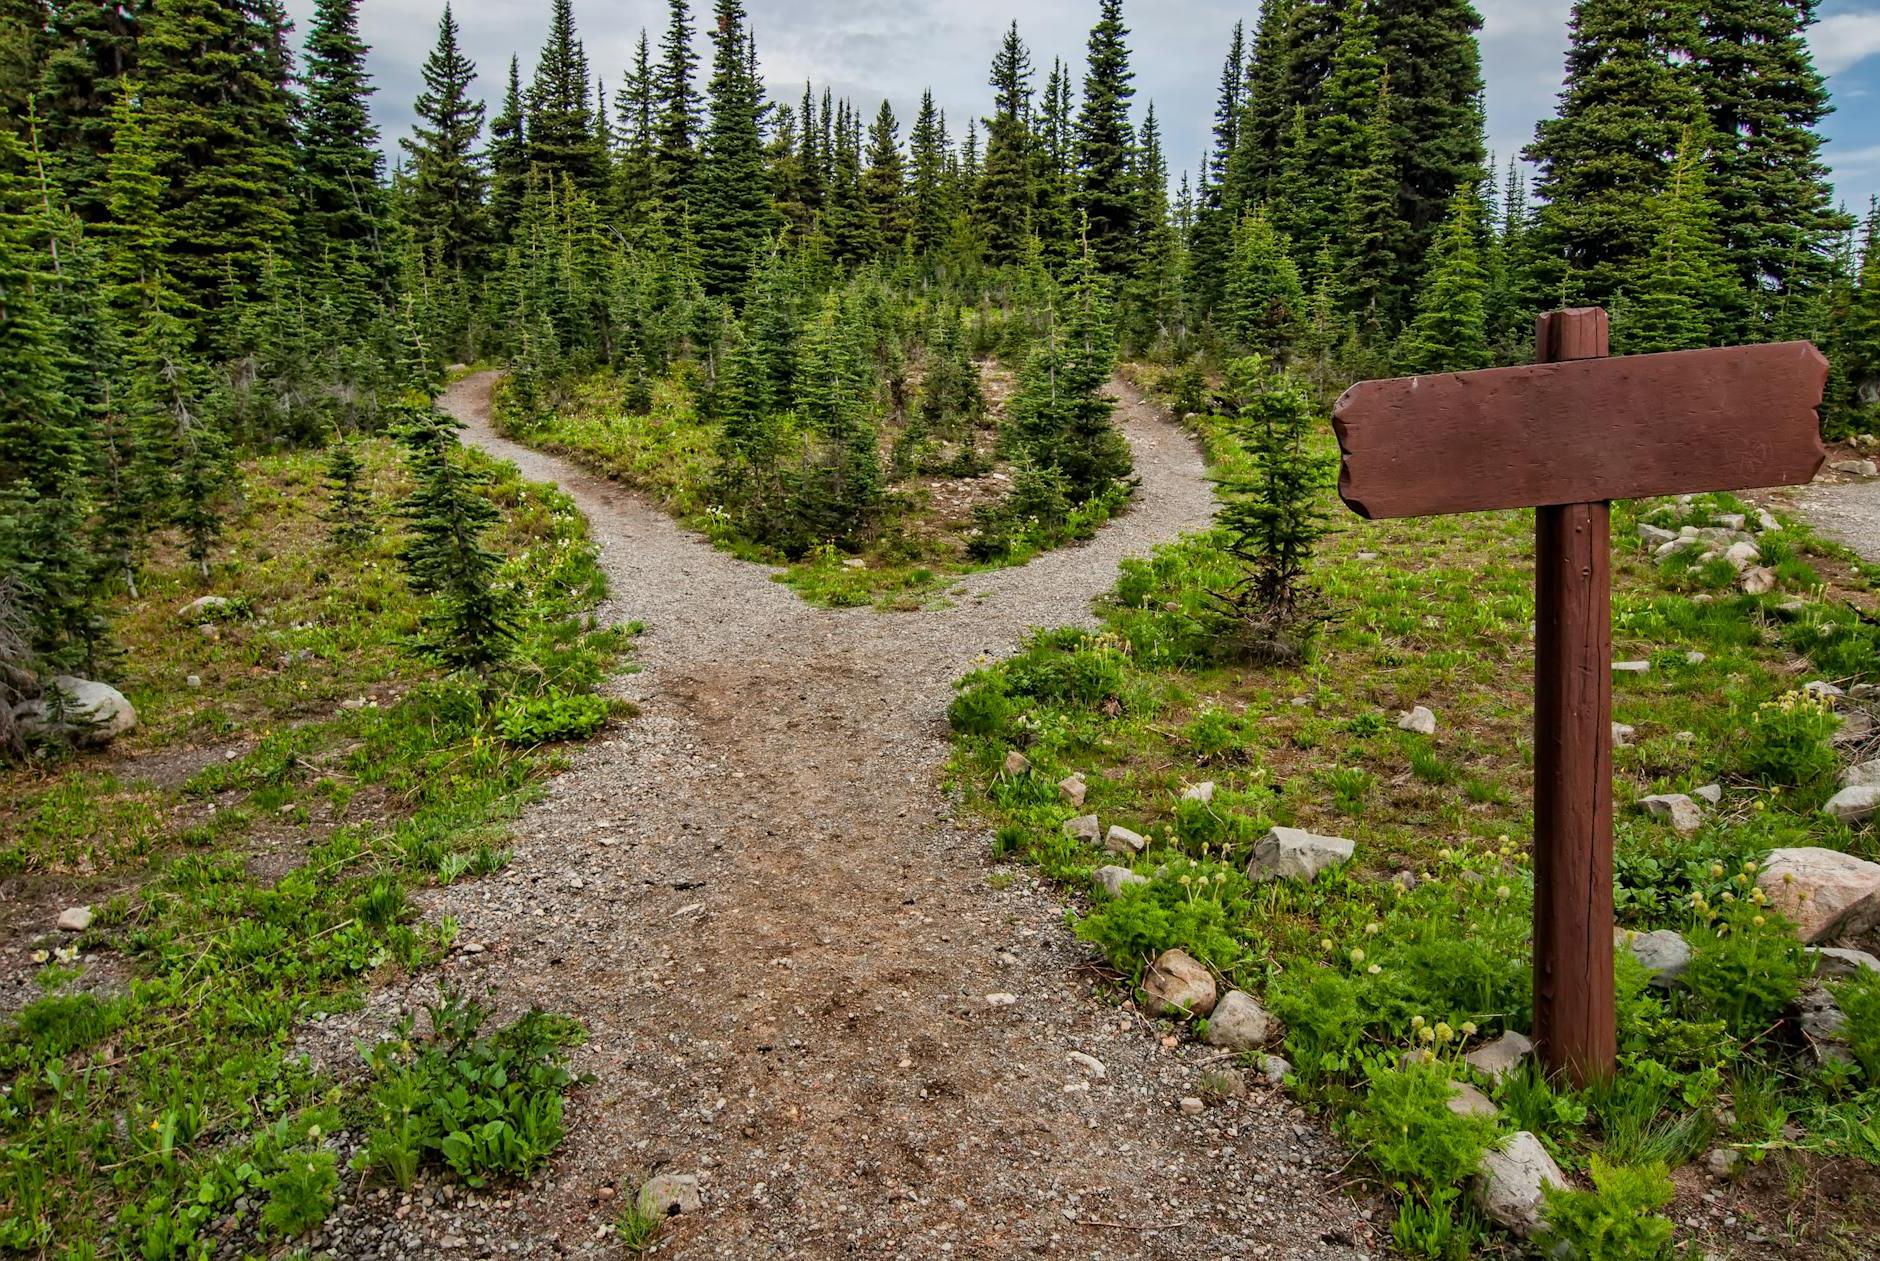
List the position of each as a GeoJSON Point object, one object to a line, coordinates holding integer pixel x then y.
{"type": "Point", "coordinates": [870, 49]}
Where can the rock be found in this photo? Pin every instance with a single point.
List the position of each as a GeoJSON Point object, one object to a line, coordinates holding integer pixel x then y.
{"type": "Point", "coordinates": [670, 1194]}
{"type": "Point", "coordinates": [1502, 1056]}
{"type": "Point", "coordinates": [1113, 880]}
{"type": "Point", "coordinates": [205, 606]}
{"type": "Point", "coordinates": [1723, 1161]}
{"type": "Point", "coordinates": [1016, 763]}
{"type": "Point", "coordinates": [1508, 1182]}
{"type": "Point", "coordinates": [1120, 840]}
{"type": "Point", "coordinates": [1176, 985]}
{"type": "Point", "coordinates": [76, 711]}
{"type": "Point", "coordinates": [1822, 688]}
{"type": "Point", "coordinates": [75, 919]}
{"type": "Point", "coordinates": [1758, 580]}
{"type": "Point", "coordinates": [1466, 1101]}
{"type": "Point", "coordinates": [1765, 522]}
{"type": "Point", "coordinates": [1695, 658]}
{"type": "Point", "coordinates": [1631, 667]}
{"type": "Point", "coordinates": [1622, 734]}
{"type": "Point", "coordinates": [1655, 536]}
{"type": "Point", "coordinates": [1084, 827]}
{"type": "Point", "coordinates": [1420, 720]}
{"type": "Point", "coordinates": [1856, 726]}
{"type": "Point", "coordinates": [1836, 963]}
{"type": "Point", "coordinates": [1202, 792]}
{"type": "Point", "coordinates": [1709, 794]}
{"type": "Point", "coordinates": [1664, 953]}
{"type": "Point", "coordinates": [1001, 999]}
{"type": "Point", "coordinates": [1823, 1024]}
{"type": "Point", "coordinates": [1827, 893]}
{"type": "Point", "coordinates": [1729, 520]}
{"type": "Point", "coordinates": [1274, 1069]}
{"type": "Point", "coordinates": [193, 680]}
{"type": "Point", "coordinates": [1858, 468]}
{"type": "Point", "coordinates": [1295, 854]}
{"type": "Point", "coordinates": [1675, 808]}
{"type": "Point", "coordinates": [1072, 789]}
{"type": "Point", "coordinates": [1405, 879]}
{"type": "Point", "coordinates": [1861, 775]}
{"type": "Point", "coordinates": [1238, 1023]}
{"type": "Point", "coordinates": [1192, 1105]}
{"type": "Point", "coordinates": [1221, 1084]}
{"type": "Point", "coordinates": [1742, 555]}
{"type": "Point", "coordinates": [1853, 805]}
{"type": "Point", "coordinates": [1865, 691]}
{"type": "Point", "coordinates": [1089, 1063]}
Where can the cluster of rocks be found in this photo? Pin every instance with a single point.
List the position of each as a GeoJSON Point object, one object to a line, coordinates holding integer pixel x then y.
{"type": "Point", "coordinates": [1730, 535]}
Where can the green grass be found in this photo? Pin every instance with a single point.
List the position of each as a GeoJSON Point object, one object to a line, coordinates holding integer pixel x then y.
{"type": "Point", "coordinates": [1434, 612]}
{"type": "Point", "coordinates": [135, 1119]}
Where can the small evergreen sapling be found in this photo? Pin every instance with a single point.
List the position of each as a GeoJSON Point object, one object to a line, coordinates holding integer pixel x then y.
{"type": "Point", "coordinates": [1270, 519]}
{"type": "Point", "coordinates": [470, 621]}
{"type": "Point", "coordinates": [348, 512]}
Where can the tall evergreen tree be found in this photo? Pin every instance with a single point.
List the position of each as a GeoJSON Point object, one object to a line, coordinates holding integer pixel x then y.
{"type": "Point", "coordinates": [1368, 271]}
{"type": "Point", "coordinates": [563, 137]}
{"type": "Point", "coordinates": [344, 202]}
{"type": "Point", "coordinates": [1854, 344]}
{"type": "Point", "coordinates": [1003, 195]}
{"type": "Point", "coordinates": [509, 159]}
{"type": "Point", "coordinates": [637, 105]}
{"type": "Point", "coordinates": [1450, 330]}
{"type": "Point", "coordinates": [1682, 299]}
{"type": "Point", "coordinates": [735, 215]}
{"type": "Point", "coordinates": [1106, 195]}
{"type": "Point", "coordinates": [447, 177]}
{"type": "Point", "coordinates": [91, 49]}
{"type": "Point", "coordinates": [1053, 217]}
{"type": "Point", "coordinates": [1337, 146]}
{"type": "Point", "coordinates": [1253, 165]}
{"type": "Point", "coordinates": [679, 117]}
{"type": "Point", "coordinates": [929, 209]}
{"type": "Point", "coordinates": [1263, 306]}
{"type": "Point", "coordinates": [1214, 216]}
{"type": "Point", "coordinates": [884, 183]}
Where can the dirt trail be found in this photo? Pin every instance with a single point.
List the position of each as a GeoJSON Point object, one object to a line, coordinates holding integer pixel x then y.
{"type": "Point", "coordinates": [757, 900]}
{"type": "Point", "coordinates": [1847, 511]}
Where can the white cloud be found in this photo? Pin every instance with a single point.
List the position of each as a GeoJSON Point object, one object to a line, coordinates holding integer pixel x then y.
{"type": "Point", "coordinates": [1843, 40]}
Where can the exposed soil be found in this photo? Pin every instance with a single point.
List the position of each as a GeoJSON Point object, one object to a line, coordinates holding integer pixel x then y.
{"type": "Point", "coordinates": [759, 899]}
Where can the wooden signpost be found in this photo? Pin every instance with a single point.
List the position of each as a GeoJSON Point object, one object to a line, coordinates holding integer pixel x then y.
{"type": "Point", "coordinates": [1566, 436]}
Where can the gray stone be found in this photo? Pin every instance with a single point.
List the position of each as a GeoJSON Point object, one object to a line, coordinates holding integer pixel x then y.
{"type": "Point", "coordinates": [1674, 808]}
{"type": "Point", "coordinates": [670, 1194]}
{"type": "Point", "coordinates": [1856, 726]}
{"type": "Point", "coordinates": [1758, 580]}
{"type": "Point", "coordinates": [1858, 468]}
{"type": "Point", "coordinates": [1766, 522]}
{"type": "Point", "coordinates": [1729, 520]}
{"type": "Point", "coordinates": [1202, 792]}
{"type": "Point", "coordinates": [1120, 840]}
{"type": "Point", "coordinates": [1466, 1101]}
{"type": "Point", "coordinates": [1113, 879]}
{"type": "Point", "coordinates": [204, 606]}
{"type": "Point", "coordinates": [1822, 688]}
{"type": "Point", "coordinates": [1239, 1023]}
{"type": "Point", "coordinates": [1837, 963]}
{"type": "Point", "coordinates": [1631, 667]}
{"type": "Point", "coordinates": [1191, 1105]}
{"type": "Point", "coordinates": [1405, 879]}
{"type": "Point", "coordinates": [1084, 827]}
{"type": "Point", "coordinates": [1502, 1056]}
{"type": "Point", "coordinates": [1655, 536]}
{"type": "Point", "coordinates": [1274, 1069]}
{"type": "Point", "coordinates": [1695, 658]}
{"type": "Point", "coordinates": [1072, 789]}
{"type": "Point", "coordinates": [1709, 794]}
{"type": "Point", "coordinates": [1622, 734]}
{"type": "Point", "coordinates": [75, 919]}
{"type": "Point", "coordinates": [1176, 985]}
{"type": "Point", "coordinates": [1419, 720]}
{"type": "Point", "coordinates": [1826, 893]}
{"type": "Point", "coordinates": [1862, 775]}
{"type": "Point", "coordinates": [1295, 854]}
{"type": "Point", "coordinates": [1823, 1024]}
{"type": "Point", "coordinates": [1016, 763]}
{"type": "Point", "coordinates": [76, 711]}
{"type": "Point", "coordinates": [193, 680]}
{"type": "Point", "coordinates": [1508, 1182]}
{"type": "Point", "coordinates": [1742, 555]}
{"type": "Point", "coordinates": [1664, 953]}
{"type": "Point", "coordinates": [1854, 805]}
{"type": "Point", "coordinates": [1723, 1161]}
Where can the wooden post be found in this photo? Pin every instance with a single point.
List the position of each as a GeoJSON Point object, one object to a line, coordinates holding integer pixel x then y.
{"type": "Point", "coordinates": [1574, 1028]}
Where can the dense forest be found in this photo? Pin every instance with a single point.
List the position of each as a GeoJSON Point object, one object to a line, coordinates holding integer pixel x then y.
{"type": "Point", "coordinates": [203, 251]}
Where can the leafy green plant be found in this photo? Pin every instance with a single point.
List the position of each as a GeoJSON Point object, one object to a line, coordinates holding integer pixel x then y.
{"type": "Point", "coordinates": [638, 1231]}
{"type": "Point", "coordinates": [1405, 1127]}
{"type": "Point", "coordinates": [1747, 968]}
{"type": "Point", "coordinates": [300, 1194]}
{"type": "Point", "coordinates": [1859, 1000]}
{"type": "Point", "coordinates": [533, 720]}
{"type": "Point", "coordinates": [1190, 911]}
{"type": "Point", "coordinates": [1790, 740]}
{"type": "Point", "coordinates": [1616, 1221]}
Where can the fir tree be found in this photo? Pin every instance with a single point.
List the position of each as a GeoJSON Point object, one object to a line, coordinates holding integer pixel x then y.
{"type": "Point", "coordinates": [1450, 332]}
{"type": "Point", "coordinates": [563, 138]}
{"type": "Point", "coordinates": [447, 178]}
{"type": "Point", "coordinates": [1253, 165]}
{"type": "Point", "coordinates": [509, 159]}
{"type": "Point", "coordinates": [469, 620]}
{"type": "Point", "coordinates": [1854, 342]}
{"type": "Point", "coordinates": [1106, 195]}
{"type": "Point", "coordinates": [1263, 305]}
{"type": "Point", "coordinates": [90, 52]}
{"type": "Point", "coordinates": [1608, 151]}
{"type": "Point", "coordinates": [1214, 217]}
{"type": "Point", "coordinates": [845, 495]}
{"type": "Point", "coordinates": [1683, 296]}
{"type": "Point", "coordinates": [1004, 192]}
{"type": "Point", "coordinates": [133, 196]}
{"type": "Point", "coordinates": [340, 165]}
{"type": "Point", "coordinates": [734, 215]}
{"type": "Point", "coordinates": [348, 507]}
{"type": "Point", "coordinates": [1053, 218]}
{"type": "Point", "coordinates": [884, 183]}
{"type": "Point", "coordinates": [637, 103]}
{"type": "Point", "coordinates": [1366, 246]}
{"type": "Point", "coordinates": [930, 209]}
{"type": "Point", "coordinates": [1338, 136]}
{"type": "Point", "coordinates": [679, 117]}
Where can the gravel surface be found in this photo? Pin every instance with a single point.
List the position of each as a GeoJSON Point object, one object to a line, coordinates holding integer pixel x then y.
{"type": "Point", "coordinates": [1845, 510]}
{"type": "Point", "coordinates": [758, 899]}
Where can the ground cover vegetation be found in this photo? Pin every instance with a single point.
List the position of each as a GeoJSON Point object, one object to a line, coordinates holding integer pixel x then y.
{"type": "Point", "coordinates": [222, 320]}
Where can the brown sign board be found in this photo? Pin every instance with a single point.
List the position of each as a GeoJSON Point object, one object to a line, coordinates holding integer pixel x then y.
{"type": "Point", "coordinates": [1582, 431]}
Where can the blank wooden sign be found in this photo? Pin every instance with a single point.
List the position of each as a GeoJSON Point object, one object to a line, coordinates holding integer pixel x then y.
{"type": "Point", "coordinates": [1582, 431]}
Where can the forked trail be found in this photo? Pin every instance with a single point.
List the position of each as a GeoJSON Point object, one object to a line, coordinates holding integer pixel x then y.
{"type": "Point", "coordinates": [756, 898]}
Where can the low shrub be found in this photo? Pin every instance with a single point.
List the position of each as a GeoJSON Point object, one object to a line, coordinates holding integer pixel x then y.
{"type": "Point", "coordinates": [1747, 969]}
{"type": "Point", "coordinates": [1790, 740]}
{"type": "Point", "coordinates": [1616, 1221]}
{"type": "Point", "coordinates": [533, 720]}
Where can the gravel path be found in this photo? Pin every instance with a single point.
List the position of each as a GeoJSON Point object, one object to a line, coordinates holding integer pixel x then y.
{"type": "Point", "coordinates": [757, 898]}
{"type": "Point", "coordinates": [1848, 511]}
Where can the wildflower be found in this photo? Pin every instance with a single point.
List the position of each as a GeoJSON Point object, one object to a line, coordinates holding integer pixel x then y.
{"type": "Point", "coordinates": [1374, 969]}
{"type": "Point", "coordinates": [1426, 1034]}
{"type": "Point", "coordinates": [40, 956]}
{"type": "Point", "coordinates": [1325, 943]}
{"type": "Point", "coordinates": [1716, 871]}
{"type": "Point", "coordinates": [1373, 929]}
{"type": "Point", "coordinates": [1468, 1028]}
{"type": "Point", "coordinates": [1503, 892]}
{"type": "Point", "coordinates": [1443, 1032]}
{"type": "Point", "coordinates": [1357, 955]}
{"type": "Point", "coordinates": [1446, 854]}
{"type": "Point", "coordinates": [1416, 1022]}
{"type": "Point", "coordinates": [1758, 920]}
